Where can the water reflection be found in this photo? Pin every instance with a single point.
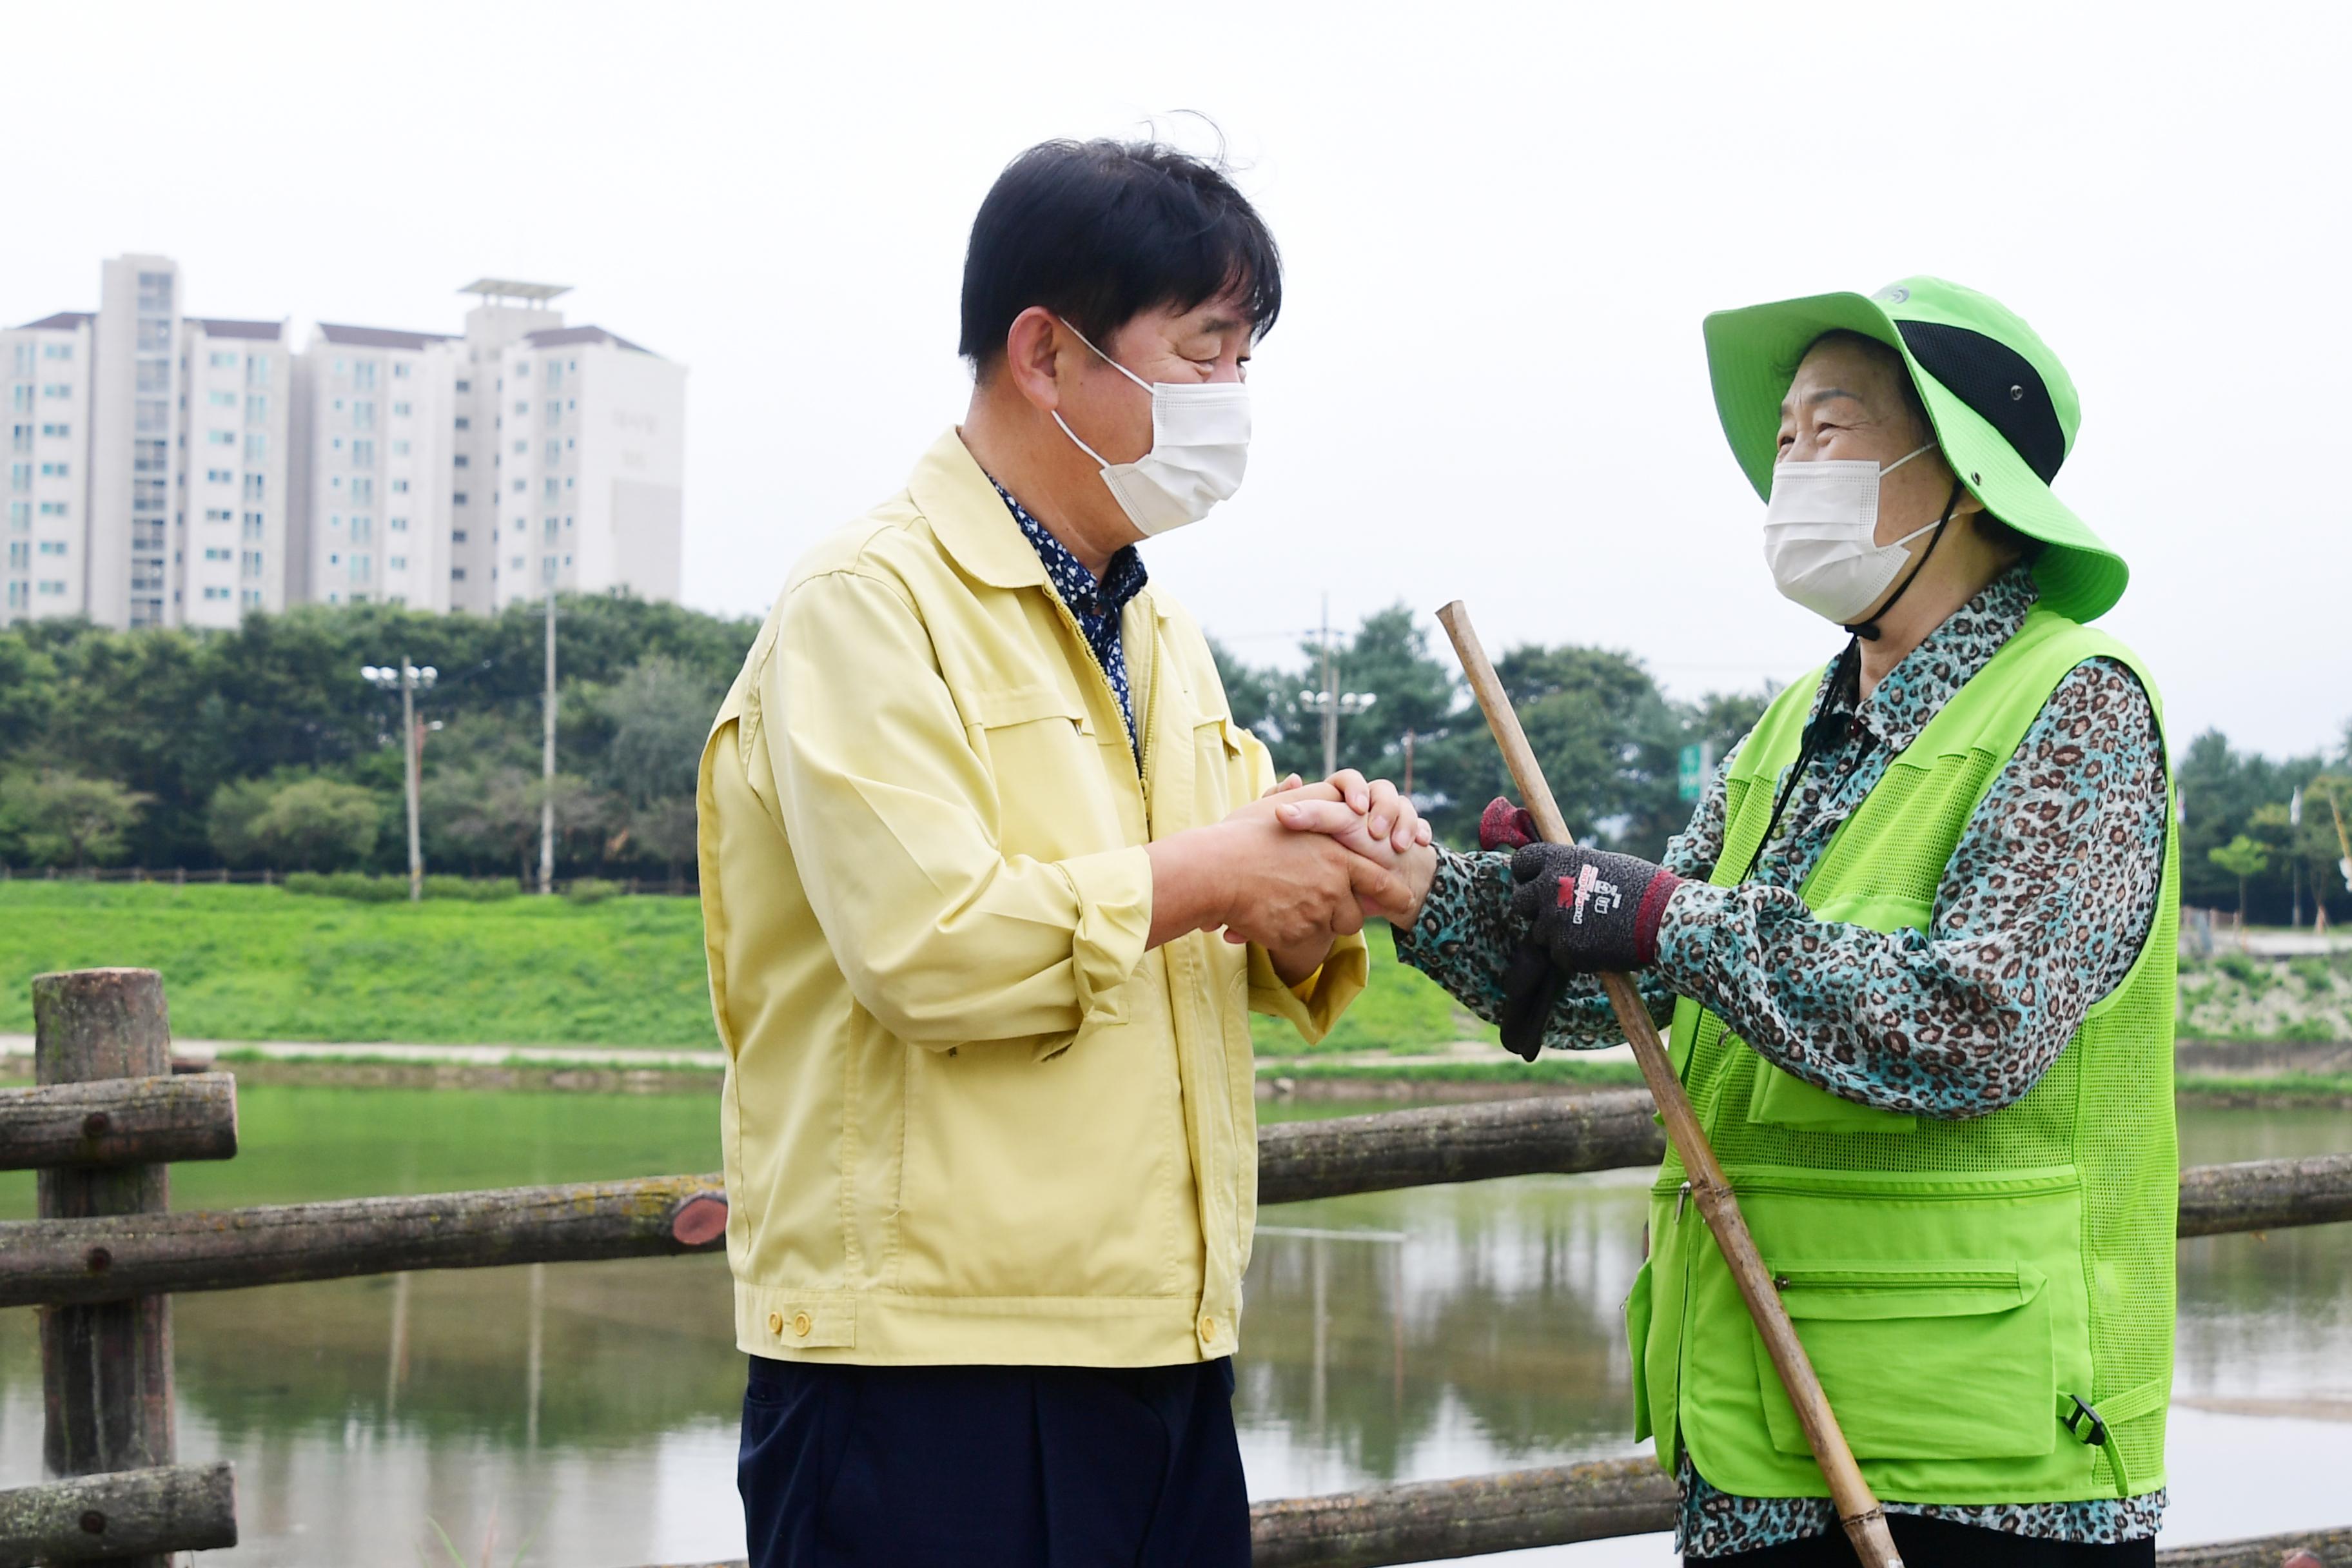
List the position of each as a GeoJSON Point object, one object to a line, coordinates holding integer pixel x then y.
{"type": "Point", "coordinates": [1392, 1336]}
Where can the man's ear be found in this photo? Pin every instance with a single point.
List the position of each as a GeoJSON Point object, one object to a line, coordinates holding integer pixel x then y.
{"type": "Point", "coordinates": [1032, 351]}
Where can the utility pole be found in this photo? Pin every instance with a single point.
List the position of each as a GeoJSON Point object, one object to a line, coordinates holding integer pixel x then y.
{"type": "Point", "coordinates": [547, 759]}
{"type": "Point", "coordinates": [1330, 701]}
{"type": "Point", "coordinates": [2294, 860]}
{"type": "Point", "coordinates": [412, 745]}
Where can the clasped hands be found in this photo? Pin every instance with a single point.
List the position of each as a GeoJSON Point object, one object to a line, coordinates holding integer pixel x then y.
{"type": "Point", "coordinates": [1297, 869]}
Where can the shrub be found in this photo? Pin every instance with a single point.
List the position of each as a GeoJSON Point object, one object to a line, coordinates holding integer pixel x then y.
{"type": "Point", "coordinates": [357, 885]}
{"type": "Point", "coordinates": [591, 889]}
{"type": "Point", "coordinates": [476, 889]}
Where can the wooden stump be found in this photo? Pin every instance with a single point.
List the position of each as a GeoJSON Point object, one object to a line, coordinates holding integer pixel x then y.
{"type": "Point", "coordinates": [106, 1369]}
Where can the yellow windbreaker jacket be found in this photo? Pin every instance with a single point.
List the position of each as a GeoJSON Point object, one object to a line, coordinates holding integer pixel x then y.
{"type": "Point", "coordinates": [968, 1118]}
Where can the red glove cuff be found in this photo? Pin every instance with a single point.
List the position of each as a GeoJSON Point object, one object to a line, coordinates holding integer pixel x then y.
{"type": "Point", "coordinates": [1503, 825]}
{"type": "Point", "coordinates": [1654, 910]}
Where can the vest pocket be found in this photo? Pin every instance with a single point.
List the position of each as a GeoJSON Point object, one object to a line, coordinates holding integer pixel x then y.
{"type": "Point", "coordinates": [1921, 1360]}
{"type": "Point", "coordinates": [1784, 1099]}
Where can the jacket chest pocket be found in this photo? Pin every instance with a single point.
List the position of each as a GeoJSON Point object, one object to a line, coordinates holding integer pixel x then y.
{"type": "Point", "coordinates": [1050, 769]}
{"type": "Point", "coordinates": [1221, 782]}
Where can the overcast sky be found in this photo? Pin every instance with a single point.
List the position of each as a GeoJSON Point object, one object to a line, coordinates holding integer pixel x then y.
{"type": "Point", "coordinates": [1502, 226]}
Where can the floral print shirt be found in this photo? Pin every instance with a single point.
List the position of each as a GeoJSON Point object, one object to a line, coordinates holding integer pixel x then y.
{"type": "Point", "coordinates": [2040, 913]}
{"type": "Point", "coordinates": [1095, 604]}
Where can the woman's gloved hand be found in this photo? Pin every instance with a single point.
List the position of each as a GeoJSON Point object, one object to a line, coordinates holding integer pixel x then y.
{"type": "Point", "coordinates": [1586, 910]}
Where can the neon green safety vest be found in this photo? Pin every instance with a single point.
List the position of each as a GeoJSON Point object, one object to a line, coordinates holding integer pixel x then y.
{"type": "Point", "coordinates": [1988, 1301]}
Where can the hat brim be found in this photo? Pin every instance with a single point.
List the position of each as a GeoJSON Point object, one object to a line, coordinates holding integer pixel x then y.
{"type": "Point", "coordinates": [1752, 357]}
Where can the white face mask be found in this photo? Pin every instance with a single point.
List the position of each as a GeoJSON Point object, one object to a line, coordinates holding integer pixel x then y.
{"type": "Point", "coordinates": [1820, 532]}
{"type": "Point", "coordinates": [1200, 445]}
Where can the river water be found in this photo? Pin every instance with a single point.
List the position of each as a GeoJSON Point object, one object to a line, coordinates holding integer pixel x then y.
{"type": "Point", "coordinates": [583, 1413]}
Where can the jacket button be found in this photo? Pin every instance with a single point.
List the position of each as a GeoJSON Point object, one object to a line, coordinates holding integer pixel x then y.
{"type": "Point", "coordinates": [1208, 1328]}
{"type": "Point", "coordinates": [801, 1324]}
{"type": "Point", "coordinates": [775, 1323]}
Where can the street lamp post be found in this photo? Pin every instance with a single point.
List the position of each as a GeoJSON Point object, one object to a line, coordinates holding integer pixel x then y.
{"type": "Point", "coordinates": [407, 679]}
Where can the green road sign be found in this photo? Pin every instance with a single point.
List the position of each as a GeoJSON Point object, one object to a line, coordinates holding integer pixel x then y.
{"type": "Point", "coordinates": [1697, 762]}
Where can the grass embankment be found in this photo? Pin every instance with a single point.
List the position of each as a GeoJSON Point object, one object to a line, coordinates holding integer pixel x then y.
{"type": "Point", "coordinates": [263, 963]}
{"type": "Point", "coordinates": [2237, 996]}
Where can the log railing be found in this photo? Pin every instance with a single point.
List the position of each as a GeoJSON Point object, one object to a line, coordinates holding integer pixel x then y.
{"type": "Point", "coordinates": [107, 1247]}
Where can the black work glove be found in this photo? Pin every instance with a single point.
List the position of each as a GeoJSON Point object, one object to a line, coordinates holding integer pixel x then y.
{"type": "Point", "coordinates": [1587, 911]}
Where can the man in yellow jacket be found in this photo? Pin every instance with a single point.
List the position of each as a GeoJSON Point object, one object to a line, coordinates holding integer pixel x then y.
{"type": "Point", "coordinates": [991, 879]}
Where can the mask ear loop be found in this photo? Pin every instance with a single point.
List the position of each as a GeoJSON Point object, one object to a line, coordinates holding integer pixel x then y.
{"type": "Point", "coordinates": [1867, 630]}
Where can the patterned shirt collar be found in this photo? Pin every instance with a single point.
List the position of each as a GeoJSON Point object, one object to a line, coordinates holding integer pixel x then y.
{"type": "Point", "coordinates": [1916, 689]}
{"type": "Point", "coordinates": [1087, 597]}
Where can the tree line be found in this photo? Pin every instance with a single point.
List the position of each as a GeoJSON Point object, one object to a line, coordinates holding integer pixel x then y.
{"type": "Point", "coordinates": [263, 746]}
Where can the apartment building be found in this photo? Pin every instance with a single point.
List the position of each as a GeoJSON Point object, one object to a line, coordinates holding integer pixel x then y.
{"type": "Point", "coordinates": [171, 469]}
{"type": "Point", "coordinates": [233, 504]}
{"type": "Point", "coordinates": [46, 535]}
{"type": "Point", "coordinates": [375, 437]}
{"type": "Point", "coordinates": [147, 458]}
{"type": "Point", "coordinates": [472, 472]}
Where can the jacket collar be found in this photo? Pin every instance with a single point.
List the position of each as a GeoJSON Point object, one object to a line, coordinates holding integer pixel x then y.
{"type": "Point", "coordinates": [969, 518]}
{"type": "Point", "coordinates": [1930, 675]}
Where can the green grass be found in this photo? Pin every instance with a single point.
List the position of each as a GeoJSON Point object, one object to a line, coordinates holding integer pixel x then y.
{"type": "Point", "coordinates": [2283, 1086]}
{"type": "Point", "coordinates": [262, 963]}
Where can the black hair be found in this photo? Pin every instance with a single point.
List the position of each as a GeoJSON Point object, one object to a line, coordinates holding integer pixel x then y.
{"type": "Point", "coordinates": [1099, 232]}
{"type": "Point", "coordinates": [2000, 535]}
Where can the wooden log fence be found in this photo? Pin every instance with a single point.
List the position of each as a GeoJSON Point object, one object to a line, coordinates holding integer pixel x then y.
{"type": "Point", "coordinates": [152, 1120]}
{"type": "Point", "coordinates": [126, 1515]}
{"type": "Point", "coordinates": [106, 1254]}
{"type": "Point", "coordinates": [1429, 1522]}
{"type": "Point", "coordinates": [53, 1261]}
{"type": "Point", "coordinates": [93, 1260]}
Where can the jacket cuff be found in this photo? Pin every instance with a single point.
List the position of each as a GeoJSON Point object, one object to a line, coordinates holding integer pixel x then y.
{"type": "Point", "coordinates": [1113, 924]}
{"type": "Point", "coordinates": [1691, 931]}
{"type": "Point", "coordinates": [1339, 982]}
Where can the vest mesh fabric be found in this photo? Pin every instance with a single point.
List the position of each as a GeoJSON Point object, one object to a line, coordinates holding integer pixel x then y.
{"type": "Point", "coordinates": [2103, 1107]}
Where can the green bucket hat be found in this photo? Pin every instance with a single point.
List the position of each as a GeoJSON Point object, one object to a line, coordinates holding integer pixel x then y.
{"type": "Point", "coordinates": [2003, 408]}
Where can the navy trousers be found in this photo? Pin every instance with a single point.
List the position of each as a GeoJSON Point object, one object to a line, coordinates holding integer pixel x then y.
{"type": "Point", "coordinates": [992, 1466]}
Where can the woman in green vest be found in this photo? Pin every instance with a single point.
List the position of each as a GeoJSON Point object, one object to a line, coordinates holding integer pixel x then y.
{"type": "Point", "coordinates": [1917, 949]}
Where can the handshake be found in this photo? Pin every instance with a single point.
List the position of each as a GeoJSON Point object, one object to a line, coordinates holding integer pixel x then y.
{"type": "Point", "coordinates": [1297, 869]}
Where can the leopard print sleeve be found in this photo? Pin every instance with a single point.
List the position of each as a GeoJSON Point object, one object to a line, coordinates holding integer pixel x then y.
{"type": "Point", "coordinates": [2042, 911]}
{"type": "Point", "coordinates": [1465, 934]}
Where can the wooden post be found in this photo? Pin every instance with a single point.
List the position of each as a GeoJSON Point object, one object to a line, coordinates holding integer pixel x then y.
{"type": "Point", "coordinates": [106, 1368]}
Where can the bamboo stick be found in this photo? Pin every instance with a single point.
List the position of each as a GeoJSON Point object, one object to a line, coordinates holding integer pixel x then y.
{"type": "Point", "coordinates": [1857, 1509]}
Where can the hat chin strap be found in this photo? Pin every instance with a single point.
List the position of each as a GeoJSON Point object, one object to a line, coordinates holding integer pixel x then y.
{"type": "Point", "coordinates": [1867, 629]}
